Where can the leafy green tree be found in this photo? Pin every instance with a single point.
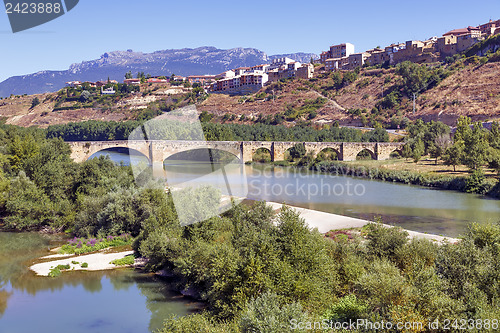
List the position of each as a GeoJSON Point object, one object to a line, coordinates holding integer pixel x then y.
{"type": "Point", "coordinates": [27, 206]}
{"type": "Point", "coordinates": [349, 77]}
{"type": "Point", "coordinates": [376, 135]}
{"type": "Point", "coordinates": [475, 146]}
{"type": "Point", "coordinates": [415, 77]}
{"type": "Point", "coordinates": [34, 102]}
{"type": "Point", "coordinates": [418, 150]}
{"type": "Point", "coordinates": [454, 155]}
{"type": "Point", "coordinates": [128, 75]}
{"type": "Point", "coordinates": [337, 79]}
{"type": "Point", "coordinates": [298, 151]}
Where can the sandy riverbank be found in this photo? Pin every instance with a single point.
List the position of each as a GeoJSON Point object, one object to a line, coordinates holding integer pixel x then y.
{"type": "Point", "coordinates": [325, 222]}
{"type": "Point", "coordinates": [96, 262]}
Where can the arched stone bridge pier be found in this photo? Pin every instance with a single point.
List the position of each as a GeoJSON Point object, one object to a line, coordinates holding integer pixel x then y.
{"type": "Point", "coordinates": [158, 151]}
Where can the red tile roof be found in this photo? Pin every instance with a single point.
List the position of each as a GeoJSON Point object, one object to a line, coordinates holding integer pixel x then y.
{"type": "Point", "coordinates": [461, 31]}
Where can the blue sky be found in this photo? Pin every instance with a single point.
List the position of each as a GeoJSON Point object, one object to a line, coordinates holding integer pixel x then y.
{"type": "Point", "coordinates": [274, 26]}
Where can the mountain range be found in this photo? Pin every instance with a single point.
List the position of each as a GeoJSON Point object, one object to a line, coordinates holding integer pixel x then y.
{"type": "Point", "coordinates": [114, 65]}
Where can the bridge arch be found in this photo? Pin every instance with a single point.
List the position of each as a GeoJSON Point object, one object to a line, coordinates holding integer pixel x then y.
{"type": "Point", "coordinates": [131, 152]}
{"type": "Point", "coordinates": [262, 154]}
{"type": "Point", "coordinates": [325, 154]}
{"type": "Point", "coordinates": [162, 150]}
{"type": "Point", "coordinates": [366, 154]}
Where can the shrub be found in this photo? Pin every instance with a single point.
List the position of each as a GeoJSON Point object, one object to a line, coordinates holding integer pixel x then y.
{"type": "Point", "coordinates": [347, 308]}
{"type": "Point", "coordinates": [385, 241]}
{"type": "Point", "coordinates": [128, 260]}
{"type": "Point", "coordinates": [54, 272]}
{"type": "Point", "coordinates": [84, 265]}
{"type": "Point", "coordinates": [83, 245]}
{"type": "Point", "coordinates": [196, 323]}
{"type": "Point", "coordinates": [475, 182]}
{"type": "Point", "coordinates": [383, 285]}
{"type": "Point", "coordinates": [35, 102]}
{"type": "Point", "coordinates": [265, 314]}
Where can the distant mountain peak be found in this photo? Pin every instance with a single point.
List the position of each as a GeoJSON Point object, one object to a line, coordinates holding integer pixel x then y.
{"type": "Point", "coordinates": [114, 64]}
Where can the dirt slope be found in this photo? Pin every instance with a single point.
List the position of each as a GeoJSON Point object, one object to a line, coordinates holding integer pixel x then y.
{"type": "Point", "coordinates": [473, 91]}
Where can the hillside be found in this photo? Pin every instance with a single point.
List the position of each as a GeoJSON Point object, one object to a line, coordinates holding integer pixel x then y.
{"type": "Point", "coordinates": [470, 89]}
{"type": "Point", "coordinates": [466, 87]}
{"type": "Point", "coordinates": [113, 65]}
{"type": "Point", "coordinates": [55, 108]}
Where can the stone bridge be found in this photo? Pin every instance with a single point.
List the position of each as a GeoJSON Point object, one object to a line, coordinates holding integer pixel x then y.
{"type": "Point", "coordinates": [158, 151]}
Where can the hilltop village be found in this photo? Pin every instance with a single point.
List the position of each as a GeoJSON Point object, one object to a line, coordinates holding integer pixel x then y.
{"type": "Point", "coordinates": [245, 80]}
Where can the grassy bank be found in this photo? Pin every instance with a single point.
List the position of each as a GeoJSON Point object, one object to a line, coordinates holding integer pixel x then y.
{"type": "Point", "coordinates": [447, 181]}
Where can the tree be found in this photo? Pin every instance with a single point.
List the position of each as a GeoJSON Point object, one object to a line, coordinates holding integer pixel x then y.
{"type": "Point", "coordinates": [34, 102]}
{"type": "Point", "coordinates": [418, 150]}
{"type": "Point", "coordinates": [441, 143]}
{"type": "Point", "coordinates": [349, 78]}
{"type": "Point", "coordinates": [453, 155]}
{"type": "Point", "coordinates": [475, 146]}
{"type": "Point", "coordinates": [415, 77]}
{"type": "Point", "coordinates": [128, 75]}
{"type": "Point", "coordinates": [298, 151]}
{"type": "Point", "coordinates": [27, 206]}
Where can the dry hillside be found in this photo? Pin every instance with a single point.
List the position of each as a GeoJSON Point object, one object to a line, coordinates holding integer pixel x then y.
{"type": "Point", "coordinates": [470, 89]}
{"type": "Point", "coordinates": [18, 110]}
{"type": "Point", "coordinates": [473, 90]}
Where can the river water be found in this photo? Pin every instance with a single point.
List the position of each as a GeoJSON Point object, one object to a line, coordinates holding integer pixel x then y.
{"type": "Point", "coordinates": [130, 301]}
{"type": "Point", "coordinates": [123, 300]}
{"type": "Point", "coordinates": [412, 207]}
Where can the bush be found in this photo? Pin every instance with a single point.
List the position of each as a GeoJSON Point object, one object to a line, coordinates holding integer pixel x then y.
{"type": "Point", "coordinates": [382, 286]}
{"type": "Point", "coordinates": [35, 102]}
{"type": "Point", "coordinates": [385, 241]}
{"type": "Point", "coordinates": [347, 308]}
{"type": "Point", "coordinates": [475, 182]}
{"type": "Point", "coordinates": [54, 272]}
{"type": "Point", "coordinates": [128, 260]}
{"type": "Point", "coordinates": [196, 323]}
{"type": "Point", "coordinates": [82, 245]}
{"type": "Point", "coordinates": [265, 314]}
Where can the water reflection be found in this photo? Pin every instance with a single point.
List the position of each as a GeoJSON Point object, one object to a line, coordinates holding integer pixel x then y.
{"type": "Point", "coordinates": [122, 300]}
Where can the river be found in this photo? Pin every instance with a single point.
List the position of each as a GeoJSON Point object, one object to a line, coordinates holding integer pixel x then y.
{"type": "Point", "coordinates": [126, 300]}
{"type": "Point", "coordinates": [414, 208]}
{"type": "Point", "coordinates": [123, 300]}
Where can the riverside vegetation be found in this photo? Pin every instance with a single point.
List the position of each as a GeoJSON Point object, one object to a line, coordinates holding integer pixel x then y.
{"type": "Point", "coordinates": [254, 269]}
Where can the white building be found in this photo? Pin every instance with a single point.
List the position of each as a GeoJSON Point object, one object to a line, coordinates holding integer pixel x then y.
{"type": "Point", "coordinates": [278, 62]}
